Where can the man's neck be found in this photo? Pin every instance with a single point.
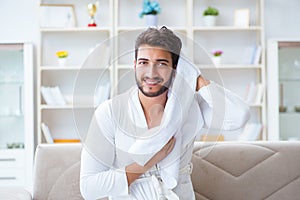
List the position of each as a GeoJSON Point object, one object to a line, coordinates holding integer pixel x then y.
{"type": "Point", "coordinates": [153, 108]}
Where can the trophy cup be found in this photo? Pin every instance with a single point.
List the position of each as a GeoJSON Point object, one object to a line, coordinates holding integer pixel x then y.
{"type": "Point", "coordinates": [92, 8]}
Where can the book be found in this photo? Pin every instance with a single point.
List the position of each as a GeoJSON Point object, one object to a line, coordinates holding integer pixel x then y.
{"type": "Point", "coordinates": [256, 55]}
{"type": "Point", "coordinates": [46, 133]}
{"type": "Point", "coordinates": [66, 140]}
{"type": "Point", "coordinates": [57, 96]}
{"type": "Point", "coordinates": [259, 93]}
{"type": "Point", "coordinates": [53, 95]}
{"type": "Point", "coordinates": [47, 96]}
{"type": "Point", "coordinates": [254, 93]}
{"type": "Point", "coordinates": [250, 93]}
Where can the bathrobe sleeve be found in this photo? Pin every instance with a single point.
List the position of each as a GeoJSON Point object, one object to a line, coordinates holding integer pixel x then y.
{"type": "Point", "coordinates": [221, 108]}
{"type": "Point", "coordinates": [98, 178]}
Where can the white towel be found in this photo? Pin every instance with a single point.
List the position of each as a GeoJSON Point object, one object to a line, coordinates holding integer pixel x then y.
{"type": "Point", "coordinates": [180, 103]}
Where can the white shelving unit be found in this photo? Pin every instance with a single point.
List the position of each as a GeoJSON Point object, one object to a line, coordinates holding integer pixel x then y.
{"type": "Point", "coordinates": [284, 67]}
{"type": "Point", "coordinates": [16, 114]}
{"type": "Point", "coordinates": [236, 71]}
{"type": "Point", "coordinates": [79, 41]}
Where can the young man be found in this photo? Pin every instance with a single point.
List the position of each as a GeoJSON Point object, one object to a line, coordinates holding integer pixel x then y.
{"type": "Point", "coordinates": [109, 167]}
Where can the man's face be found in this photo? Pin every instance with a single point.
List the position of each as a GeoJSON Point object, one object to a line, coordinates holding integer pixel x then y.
{"type": "Point", "coordinates": [153, 70]}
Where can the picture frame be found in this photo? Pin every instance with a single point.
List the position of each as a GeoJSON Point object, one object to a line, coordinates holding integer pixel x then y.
{"type": "Point", "coordinates": [242, 17]}
{"type": "Point", "coordinates": [57, 16]}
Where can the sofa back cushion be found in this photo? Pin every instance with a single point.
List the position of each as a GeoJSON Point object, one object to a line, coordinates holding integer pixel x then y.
{"type": "Point", "coordinates": [253, 170]}
{"type": "Point", "coordinates": [56, 173]}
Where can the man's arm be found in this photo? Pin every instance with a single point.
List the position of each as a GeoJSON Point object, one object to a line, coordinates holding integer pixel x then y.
{"type": "Point", "coordinates": [221, 108]}
{"type": "Point", "coordinates": [98, 178]}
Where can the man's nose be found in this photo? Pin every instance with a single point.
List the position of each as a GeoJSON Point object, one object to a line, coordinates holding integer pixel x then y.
{"type": "Point", "coordinates": [152, 70]}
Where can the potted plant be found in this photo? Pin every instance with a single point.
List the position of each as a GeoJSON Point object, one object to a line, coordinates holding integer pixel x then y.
{"type": "Point", "coordinates": [209, 16]}
{"type": "Point", "coordinates": [150, 11]}
{"type": "Point", "coordinates": [217, 56]}
{"type": "Point", "coordinates": [62, 57]}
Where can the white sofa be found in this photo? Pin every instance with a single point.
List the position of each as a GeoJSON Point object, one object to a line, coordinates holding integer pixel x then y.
{"type": "Point", "coordinates": [222, 171]}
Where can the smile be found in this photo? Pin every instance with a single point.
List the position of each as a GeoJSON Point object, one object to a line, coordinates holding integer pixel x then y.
{"type": "Point", "coordinates": [152, 81]}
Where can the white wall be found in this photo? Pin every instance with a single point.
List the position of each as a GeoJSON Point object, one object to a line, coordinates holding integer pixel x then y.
{"type": "Point", "coordinates": [19, 20]}
{"type": "Point", "coordinates": [282, 18]}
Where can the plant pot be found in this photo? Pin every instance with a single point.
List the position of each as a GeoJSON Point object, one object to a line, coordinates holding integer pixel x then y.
{"type": "Point", "coordinates": [151, 20]}
{"type": "Point", "coordinates": [216, 60]}
{"type": "Point", "coordinates": [62, 62]}
{"type": "Point", "coordinates": [209, 20]}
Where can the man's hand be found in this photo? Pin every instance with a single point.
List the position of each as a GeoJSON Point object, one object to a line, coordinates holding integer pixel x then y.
{"type": "Point", "coordinates": [162, 153]}
{"type": "Point", "coordinates": [134, 170]}
{"type": "Point", "coordinates": [201, 82]}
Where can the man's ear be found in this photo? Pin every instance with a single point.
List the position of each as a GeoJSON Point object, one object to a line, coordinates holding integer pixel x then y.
{"type": "Point", "coordinates": [174, 71]}
{"type": "Point", "coordinates": [134, 66]}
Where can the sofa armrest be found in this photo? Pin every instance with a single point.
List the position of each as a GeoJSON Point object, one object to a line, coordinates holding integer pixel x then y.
{"type": "Point", "coordinates": [14, 193]}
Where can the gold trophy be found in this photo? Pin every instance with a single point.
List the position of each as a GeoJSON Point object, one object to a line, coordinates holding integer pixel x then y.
{"type": "Point", "coordinates": [92, 8]}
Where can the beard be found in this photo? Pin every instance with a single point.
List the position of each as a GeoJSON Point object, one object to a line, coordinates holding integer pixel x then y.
{"type": "Point", "coordinates": [162, 89]}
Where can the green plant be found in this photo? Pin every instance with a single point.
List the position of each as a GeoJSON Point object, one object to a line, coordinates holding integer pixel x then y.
{"type": "Point", "coordinates": [211, 11]}
{"type": "Point", "coordinates": [217, 53]}
{"type": "Point", "coordinates": [149, 7]}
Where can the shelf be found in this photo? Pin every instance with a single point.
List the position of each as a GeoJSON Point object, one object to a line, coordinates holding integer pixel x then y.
{"type": "Point", "coordinates": [73, 67]}
{"type": "Point", "coordinates": [65, 107]}
{"type": "Point", "coordinates": [130, 28]}
{"type": "Point", "coordinates": [226, 28]}
{"type": "Point", "coordinates": [124, 66]}
{"type": "Point", "coordinates": [79, 29]}
{"type": "Point", "coordinates": [289, 113]}
{"type": "Point", "coordinates": [11, 83]}
{"type": "Point", "coordinates": [256, 105]}
{"type": "Point", "coordinates": [11, 116]}
{"type": "Point", "coordinates": [230, 66]}
{"type": "Point", "coordinates": [8, 151]}
{"type": "Point", "coordinates": [290, 80]}
{"type": "Point", "coordinates": [225, 66]}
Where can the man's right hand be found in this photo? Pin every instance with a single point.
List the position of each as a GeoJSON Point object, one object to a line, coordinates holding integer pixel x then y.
{"type": "Point", "coordinates": [164, 152]}
{"type": "Point", "coordinates": [134, 170]}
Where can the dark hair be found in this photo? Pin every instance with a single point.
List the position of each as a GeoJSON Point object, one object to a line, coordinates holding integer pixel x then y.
{"type": "Point", "coordinates": [164, 38]}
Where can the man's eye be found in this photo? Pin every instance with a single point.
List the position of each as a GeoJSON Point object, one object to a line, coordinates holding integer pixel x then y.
{"type": "Point", "coordinates": [142, 63]}
{"type": "Point", "coordinates": [162, 64]}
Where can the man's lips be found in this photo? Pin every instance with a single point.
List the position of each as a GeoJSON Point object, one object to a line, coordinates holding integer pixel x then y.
{"type": "Point", "coordinates": [152, 81]}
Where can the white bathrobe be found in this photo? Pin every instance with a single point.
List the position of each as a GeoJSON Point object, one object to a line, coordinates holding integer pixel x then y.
{"type": "Point", "coordinates": [106, 176]}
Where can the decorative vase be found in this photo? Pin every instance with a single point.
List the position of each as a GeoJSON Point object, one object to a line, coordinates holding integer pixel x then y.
{"type": "Point", "coordinates": [151, 20]}
{"type": "Point", "coordinates": [209, 20]}
{"type": "Point", "coordinates": [216, 60]}
{"type": "Point", "coordinates": [62, 62]}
